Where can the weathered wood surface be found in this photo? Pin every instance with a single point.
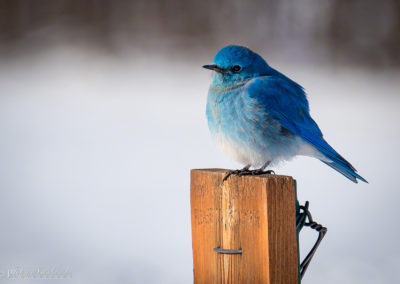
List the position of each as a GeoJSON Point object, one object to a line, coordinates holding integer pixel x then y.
{"type": "Point", "coordinates": [253, 213]}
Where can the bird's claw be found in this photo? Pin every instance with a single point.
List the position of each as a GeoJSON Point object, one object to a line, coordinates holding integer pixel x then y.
{"type": "Point", "coordinates": [247, 172]}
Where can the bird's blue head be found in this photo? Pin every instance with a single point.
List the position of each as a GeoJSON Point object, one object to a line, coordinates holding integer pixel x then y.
{"type": "Point", "coordinates": [234, 65]}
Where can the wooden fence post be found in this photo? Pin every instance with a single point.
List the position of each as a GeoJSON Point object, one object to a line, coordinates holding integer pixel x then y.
{"type": "Point", "coordinates": [243, 229]}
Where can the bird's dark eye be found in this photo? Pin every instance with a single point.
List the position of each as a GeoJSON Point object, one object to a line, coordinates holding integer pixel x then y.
{"type": "Point", "coordinates": [236, 68]}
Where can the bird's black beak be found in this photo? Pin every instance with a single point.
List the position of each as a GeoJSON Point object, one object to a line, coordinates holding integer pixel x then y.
{"type": "Point", "coordinates": [214, 67]}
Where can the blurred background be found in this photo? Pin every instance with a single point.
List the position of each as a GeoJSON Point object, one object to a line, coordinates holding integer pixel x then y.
{"type": "Point", "coordinates": [102, 115]}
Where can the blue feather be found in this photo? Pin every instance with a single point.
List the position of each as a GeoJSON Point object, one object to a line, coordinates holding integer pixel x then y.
{"type": "Point", "coordinates": [285, 101]}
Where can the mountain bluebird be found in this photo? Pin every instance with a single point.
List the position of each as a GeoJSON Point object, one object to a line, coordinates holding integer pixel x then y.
{"type": "Point", "coordinates": [260, 117]}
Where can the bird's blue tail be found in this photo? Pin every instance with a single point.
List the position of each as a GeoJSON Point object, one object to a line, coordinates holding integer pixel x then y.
{"type": "Point", "coordinates": [346, 171]}
{"type": "Point", "coordinates": [336, 161]}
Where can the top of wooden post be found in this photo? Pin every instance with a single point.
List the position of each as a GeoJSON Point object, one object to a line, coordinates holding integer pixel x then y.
{"type": "Point", "coordinates": [219, 171]}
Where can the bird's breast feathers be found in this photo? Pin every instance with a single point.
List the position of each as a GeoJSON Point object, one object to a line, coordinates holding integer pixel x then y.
{"type": "Point", "coordinates": [244, 130]}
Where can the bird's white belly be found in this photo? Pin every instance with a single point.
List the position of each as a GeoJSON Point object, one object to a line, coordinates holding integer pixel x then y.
{"type": "Point", "coordinates": [243, 154]}
{"type": "Point", "coordinates": [240, 152]}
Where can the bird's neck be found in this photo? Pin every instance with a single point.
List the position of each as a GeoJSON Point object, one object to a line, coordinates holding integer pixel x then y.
{"type": "Point", "coordinates": [223, 87]}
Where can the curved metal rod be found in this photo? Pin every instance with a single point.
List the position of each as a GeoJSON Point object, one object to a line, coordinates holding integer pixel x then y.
{"type": "Point", "coordinates": [301, 221]}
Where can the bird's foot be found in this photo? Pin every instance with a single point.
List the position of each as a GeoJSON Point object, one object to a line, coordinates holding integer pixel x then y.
{"type": "Point", "coordinates": [247, 172]}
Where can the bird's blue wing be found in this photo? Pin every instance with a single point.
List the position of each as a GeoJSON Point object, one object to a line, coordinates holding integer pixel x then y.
{"type": "Point", "coordinates": [286, 102]}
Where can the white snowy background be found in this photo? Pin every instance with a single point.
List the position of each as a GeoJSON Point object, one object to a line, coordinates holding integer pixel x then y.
{"type": "Point", "coordinates": [96, 152]}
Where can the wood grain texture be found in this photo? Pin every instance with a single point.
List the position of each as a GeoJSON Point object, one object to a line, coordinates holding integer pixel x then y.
{"type": "Point", "coordinates": [253, 213]}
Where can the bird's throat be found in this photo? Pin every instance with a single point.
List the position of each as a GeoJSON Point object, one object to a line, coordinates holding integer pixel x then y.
{"type": "Point", "coordinates": [223, 88]}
